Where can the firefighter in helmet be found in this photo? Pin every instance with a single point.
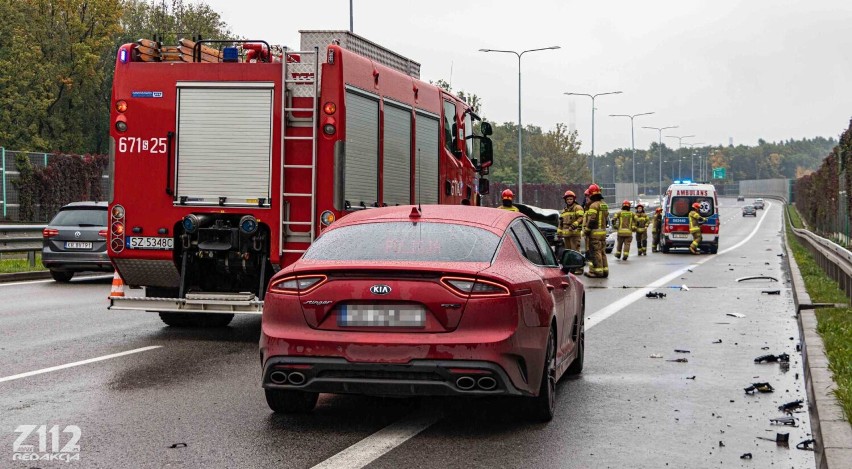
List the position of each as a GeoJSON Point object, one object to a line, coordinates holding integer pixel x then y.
{"type": "Point", "coordinates": [571, 223]}
{"type": "Point", "coordinates": [508, 196]}
{"type": "Point", "coordinates": [640, 227]}
{"type": "Point", "coordinates": [595, 220]}
{"type": "Point", "coordinates": [623, 222]}
{"type": "Point", "coordinates": [695, 221]}
{"type": "Point", "coordinates": [656, 228]}
{"type": "Point", "coordinates": [587, 202]}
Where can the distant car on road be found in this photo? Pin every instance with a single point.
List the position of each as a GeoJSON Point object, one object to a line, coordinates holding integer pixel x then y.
{"type": "Point", "coordinates": [749, 210]}
{"type": "Point", "coordinates": [449, 301]}
{"type": "Point", "coordinates": [740, 198]}
{"type": "Point", "coordinates": [758, 204]}
{"type": "Point", "coordinates": [75, 241]}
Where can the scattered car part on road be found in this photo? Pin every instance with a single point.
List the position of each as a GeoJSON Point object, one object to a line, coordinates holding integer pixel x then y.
{"type": "Point", "coordinates": [655, 294]}
{"type": "Point", "coordinates": [759, 387]}
{"type": "Point", "coordinates": [787, 420]}
{"type": "Point", "coordinates": [736, 315]}
{"type": "Point", "coordinates": [771, 292]}
{"type": "Point", "coordinates": [807, 445]}
{"type": "Point", "coordinates": [682, 351]}
{"type": "Point", "coordinates": [789, 407]}
{"type": "Point", "coordinates": [679, 360]}
{"type": "Point", "coordinates": [773, 358]}
{"type": "Point", "coordinates": [757, 277]}
{"type": "Point", "coordinates": [746, 456]}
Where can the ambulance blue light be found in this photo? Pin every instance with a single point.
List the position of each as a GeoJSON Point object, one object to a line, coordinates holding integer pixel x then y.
{"type": "Point", "coordinates": [677, 182]}
{"type": "Point", "coordinates": [687, 181]}
{"type": "Point", "coordinates": [230, 54]}
{"type": "Point", "coordinates": [122, 56]}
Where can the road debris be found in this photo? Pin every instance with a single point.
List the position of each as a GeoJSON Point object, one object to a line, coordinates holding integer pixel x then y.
{"type": "Point", "coordinates": [656, 355]}
{"type": "Point", "coordinates": [759, 387]}
{"type": "Point", "coordinates": [746, 456]}
{"type": "Point", "coordinates": [719, 341]}
{"type": "Point", "coordinates": [772, 292]}
{"type": "Point", "coordinates": [786, 420]}
{"type": "Point", "coordinates": [781, 439]}
{"type": "Point", "coordinates": [655, 294]}
{"type": "Point", "coordinates": [684, 288]}
{"type": "Point", "coordinates": [721, 444]}
{"type": "Point", "coordinates": [757, 277]}
{"type": "Point", "coordinates": [791, 406]}
{"type": "Point", "coordinates": [806, 445]}
{"type": "Point", "coordinates": [178, 445]}
{"type": "Point", "coordinates": [773, 358]}
{"type": "Point", "coordinates": [679, 360]}
{"type": "Point", "coordinates": [736, 315]}
{"type": "Point", "coordinates": [682, 351]}
{"type": "Point", "coordinates": [691, 377]}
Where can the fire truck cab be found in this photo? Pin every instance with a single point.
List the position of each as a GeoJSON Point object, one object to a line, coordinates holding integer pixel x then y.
{"type": "Point", "coordinates": [227, 164]}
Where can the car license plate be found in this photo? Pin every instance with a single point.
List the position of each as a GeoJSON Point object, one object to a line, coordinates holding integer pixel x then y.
{"type": "Point", "coordinates": [77, 245]}
{"type": "Point", "coordinates": [381, 316]}
{"type": "Point", "coordinates": [150, 242]}
{"type": "Point", "coordinates": [679, 236]}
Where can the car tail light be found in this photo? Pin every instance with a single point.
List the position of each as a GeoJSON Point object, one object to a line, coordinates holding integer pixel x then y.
{"type": "Point", "coordinates": [293, 285]}
{"type": "Point", "coordinates": [49, 232]}
{"type": "Point", "coordinates": [474, 287]}
{"type": "Point", "coordinates": [102, 233]}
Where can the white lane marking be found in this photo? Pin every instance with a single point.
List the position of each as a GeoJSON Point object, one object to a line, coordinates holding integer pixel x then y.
{"type": "Point", "coordinates": [83, 362]}
{"type": "Point", "coordinates": [27, 282]}
{"type": "Point", "coordinates": [374, 446]}
{"type": "Point", "coordinates": [383, 441]}
{"type": "Point", "coordinates": [30, 282]}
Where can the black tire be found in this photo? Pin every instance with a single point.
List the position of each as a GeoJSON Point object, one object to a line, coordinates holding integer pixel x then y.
{"type": "Point", "coordinates": [664, 248]}
{"type": "Point", "coordinates": [714, 248]}
{"type": "Point", "coordinates": [61, 275]}
{"type": "Point", "coordinates": [196, 319]}
{"type": "Point", "coordinates": [576, 366]}
{"type": "Point", "coordinates": [543, 406]}
{"type": "Point", "coordinates": [291, 402]}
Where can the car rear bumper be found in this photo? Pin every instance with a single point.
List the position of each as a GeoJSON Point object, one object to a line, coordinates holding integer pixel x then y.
{"type": "Point", "coordinates": [706, 241]}
{"type": "Point", "coordinates": [416, 378]}
{"type": "Point", "coordinates": [76, 261]}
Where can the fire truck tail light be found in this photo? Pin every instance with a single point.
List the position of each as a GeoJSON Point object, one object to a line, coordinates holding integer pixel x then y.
{"type": "Point", "coordinates": [248, 224]}
{"type": "Point", "coordinates": [121, 126]}
{"type": "Point", "coordinates": [49, 232]}
{"type": "Point", "coordinates": [117, 244]}
{"type": "Point", "coordinates": [327, 218]}
{"type": "Point", "coordinates": [121, 105]}
{"type": "Point", "coordinates": [329, 129]}
{"type": "Point", "coordinates": [118, 228]}
{"type": "Point", "coordinates": [117, 212]}
{"type": "Point", "coordinates": [329, 108]}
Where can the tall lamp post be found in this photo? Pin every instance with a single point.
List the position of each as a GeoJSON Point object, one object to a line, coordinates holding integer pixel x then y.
{"type": "Point", "coordinates": [692, 164]}
{"type": "Point", "coordinates": [679, 156]}
{"type": "Point", "coordinates": [593, 96]}
{"type": "Point", "coordinates": [660, 132]}
{"type": "Point", "coordinates": [520, 128]}
{"type": "Point", "coordinates": [633, 142]}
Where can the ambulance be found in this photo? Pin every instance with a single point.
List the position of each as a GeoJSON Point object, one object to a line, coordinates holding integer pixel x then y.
{"type": "Point", "coordinates": [678, 200]}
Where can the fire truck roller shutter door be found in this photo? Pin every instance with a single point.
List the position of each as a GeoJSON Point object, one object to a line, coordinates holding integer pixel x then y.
{"type": "Point", "coordinates": [396, 158]}
{"type": "Point", "coordinates": [426, 154]}
{"type": "Point", "coordinates": [362, 150]}
{"type": "Point", "coordinates": [224, 143]}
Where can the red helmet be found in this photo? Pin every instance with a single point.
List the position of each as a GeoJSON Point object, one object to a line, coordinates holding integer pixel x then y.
{"type": "Point", "coordinates": [696, 205]}
{"type": "Point", "coordinates": [508, 194]}
{"type": "Point", "coordinates": [626, 203]}
{"type": "Point", "coordinates": [639, 205]}
{"type": "Point", "coordinates": [586, 193]}
{"type": "Point", "coordinates": [569, 194]}
{"type": "Point", "coordinates": [594, 189]}
{"type": "Point", "coordinates": [659, 209]}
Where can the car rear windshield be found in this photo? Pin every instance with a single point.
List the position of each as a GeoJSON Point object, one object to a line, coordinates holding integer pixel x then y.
{"type": "Point", "coordinates": [680, 206]}
{"type": "Point", "coordinates": [94, 216]}
{"type": "Point", "coordinates": [405, 241]}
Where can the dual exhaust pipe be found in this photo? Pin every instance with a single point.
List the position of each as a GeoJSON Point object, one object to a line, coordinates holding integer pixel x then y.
{"type": "Point", "coordinates": [467, 383]}
{"type": "Point", "coordinates": [295, 378]}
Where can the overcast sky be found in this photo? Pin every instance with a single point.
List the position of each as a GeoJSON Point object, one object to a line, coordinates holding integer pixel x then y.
{"type": "Point", "coordinates": [718, 69]}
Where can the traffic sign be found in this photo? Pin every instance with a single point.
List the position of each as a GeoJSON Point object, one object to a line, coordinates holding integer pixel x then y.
{"type": "Point", "coordinates": [718, 173]}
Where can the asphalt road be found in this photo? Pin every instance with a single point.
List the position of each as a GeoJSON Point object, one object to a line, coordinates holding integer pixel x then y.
{"type": "Point", "coordinates": [192, 398]}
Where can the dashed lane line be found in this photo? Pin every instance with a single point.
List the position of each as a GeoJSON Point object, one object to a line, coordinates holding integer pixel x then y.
{"type": "Point", "coordinates": [80, 363]}
{"type": "Point", "coordinates": [385, 440]}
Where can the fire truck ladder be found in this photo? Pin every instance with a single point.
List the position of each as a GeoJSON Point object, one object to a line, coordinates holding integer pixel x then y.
{"type": "Point", "coordinates": [306, 85]}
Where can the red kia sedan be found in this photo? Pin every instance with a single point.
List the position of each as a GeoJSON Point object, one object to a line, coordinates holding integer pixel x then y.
{"type": "Point", "coordinates": [415, 301]}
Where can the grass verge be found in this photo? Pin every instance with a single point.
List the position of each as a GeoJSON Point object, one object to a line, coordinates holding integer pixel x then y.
{"type": "Point", "coordinates": [833, 324]}
{"type": "Point", "coordinates": [10, 266]}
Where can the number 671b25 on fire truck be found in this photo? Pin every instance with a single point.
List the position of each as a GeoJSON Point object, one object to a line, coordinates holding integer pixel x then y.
{"type": "Point", "coordinates": [226, 164]}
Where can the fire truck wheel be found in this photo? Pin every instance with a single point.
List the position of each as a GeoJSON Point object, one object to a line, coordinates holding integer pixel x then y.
{"type": "Point", "coordinates": [291, 402]}
{"type": "Point", "coordinates": [61, 276]}
{"type": "Point", "coordinates": [196, 320]}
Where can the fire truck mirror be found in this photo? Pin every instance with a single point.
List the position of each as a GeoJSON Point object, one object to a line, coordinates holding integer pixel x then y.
{"type": "Point", "coordinates": [483, 186]}
{"type": "Point", "coordinates": [486, 153]}
{"type": "Point", "coordinates": [485, 129]}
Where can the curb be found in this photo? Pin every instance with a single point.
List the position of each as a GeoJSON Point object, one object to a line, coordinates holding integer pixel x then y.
{"type": "Point", "coordinates": [831, 429]}
{"type": "Point", "coordinates": [23, 276]}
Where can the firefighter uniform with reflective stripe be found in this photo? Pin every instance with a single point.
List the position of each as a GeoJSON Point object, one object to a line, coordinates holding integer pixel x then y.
{"type": "Point", "coordinates": [595, 220]}
{"type": "Point", "coordinates": [623, 222]}
{"type": "Point", "coordinates": [510, 208]}
{"type": "Point", "coordinates": [656, 229]}
{"type": "Point", "coordinates": [695, 221]}
{"type": "Point", "coordinates": [571, 226]}
{"type": "Point", "coordinates": [640, 227]}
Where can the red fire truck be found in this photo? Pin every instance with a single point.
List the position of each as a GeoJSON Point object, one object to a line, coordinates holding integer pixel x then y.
{"type": "Point", "coordinates": [226, 164]}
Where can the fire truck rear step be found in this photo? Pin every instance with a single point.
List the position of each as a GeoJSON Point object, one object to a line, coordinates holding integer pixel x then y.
{"type": "Point", "coordinates": [198, 302]}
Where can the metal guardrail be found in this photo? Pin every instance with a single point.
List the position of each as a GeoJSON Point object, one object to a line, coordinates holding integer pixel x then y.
{"type": "Point", "coordinates": [22, 238]}
{"type": "Point", "coordinates": [833, 259]}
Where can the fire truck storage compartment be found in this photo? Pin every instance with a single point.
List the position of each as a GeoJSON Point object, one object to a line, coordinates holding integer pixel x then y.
{"type": "Point", "coordinates": [396, 157]}
{"type": "Point", "coordinates": [426, 158]}
{"type": "Point", "coordinates": [224, 143]}
{"type": "Point", "coordinates": [361, 179]}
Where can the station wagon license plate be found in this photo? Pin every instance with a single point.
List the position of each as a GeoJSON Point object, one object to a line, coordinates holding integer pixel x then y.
{"type": "Point", "coordinates": [150, 242]}
{"type": "Point", "coordinates": [77, 245]}
{"type": "Point", "coordinates": [381, 316]}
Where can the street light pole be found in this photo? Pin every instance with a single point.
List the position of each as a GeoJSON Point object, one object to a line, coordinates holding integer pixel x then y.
{"type": "Point", "coordinates": [679, 156]}
{"type": "Point", "coordinates": [520, 127]}
{"type": "Point", "coordinates": [593, 96]}
{"type": "Point", "coordinates": [633, 142]}
{"type": "Point", "coordinates": [692, 163]}
{"type": "Point", "coordinates": [660, 132]}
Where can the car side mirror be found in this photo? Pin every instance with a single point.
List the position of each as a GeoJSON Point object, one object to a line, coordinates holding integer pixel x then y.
{"type": "Point", "coordinates": [572, 260]}
{"type": "Point", "coordinates": [486, 153]}
{"type": "Point", "coordinates": [483, 186]}
{"type": "Point", "coordinates": [485, 129]}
